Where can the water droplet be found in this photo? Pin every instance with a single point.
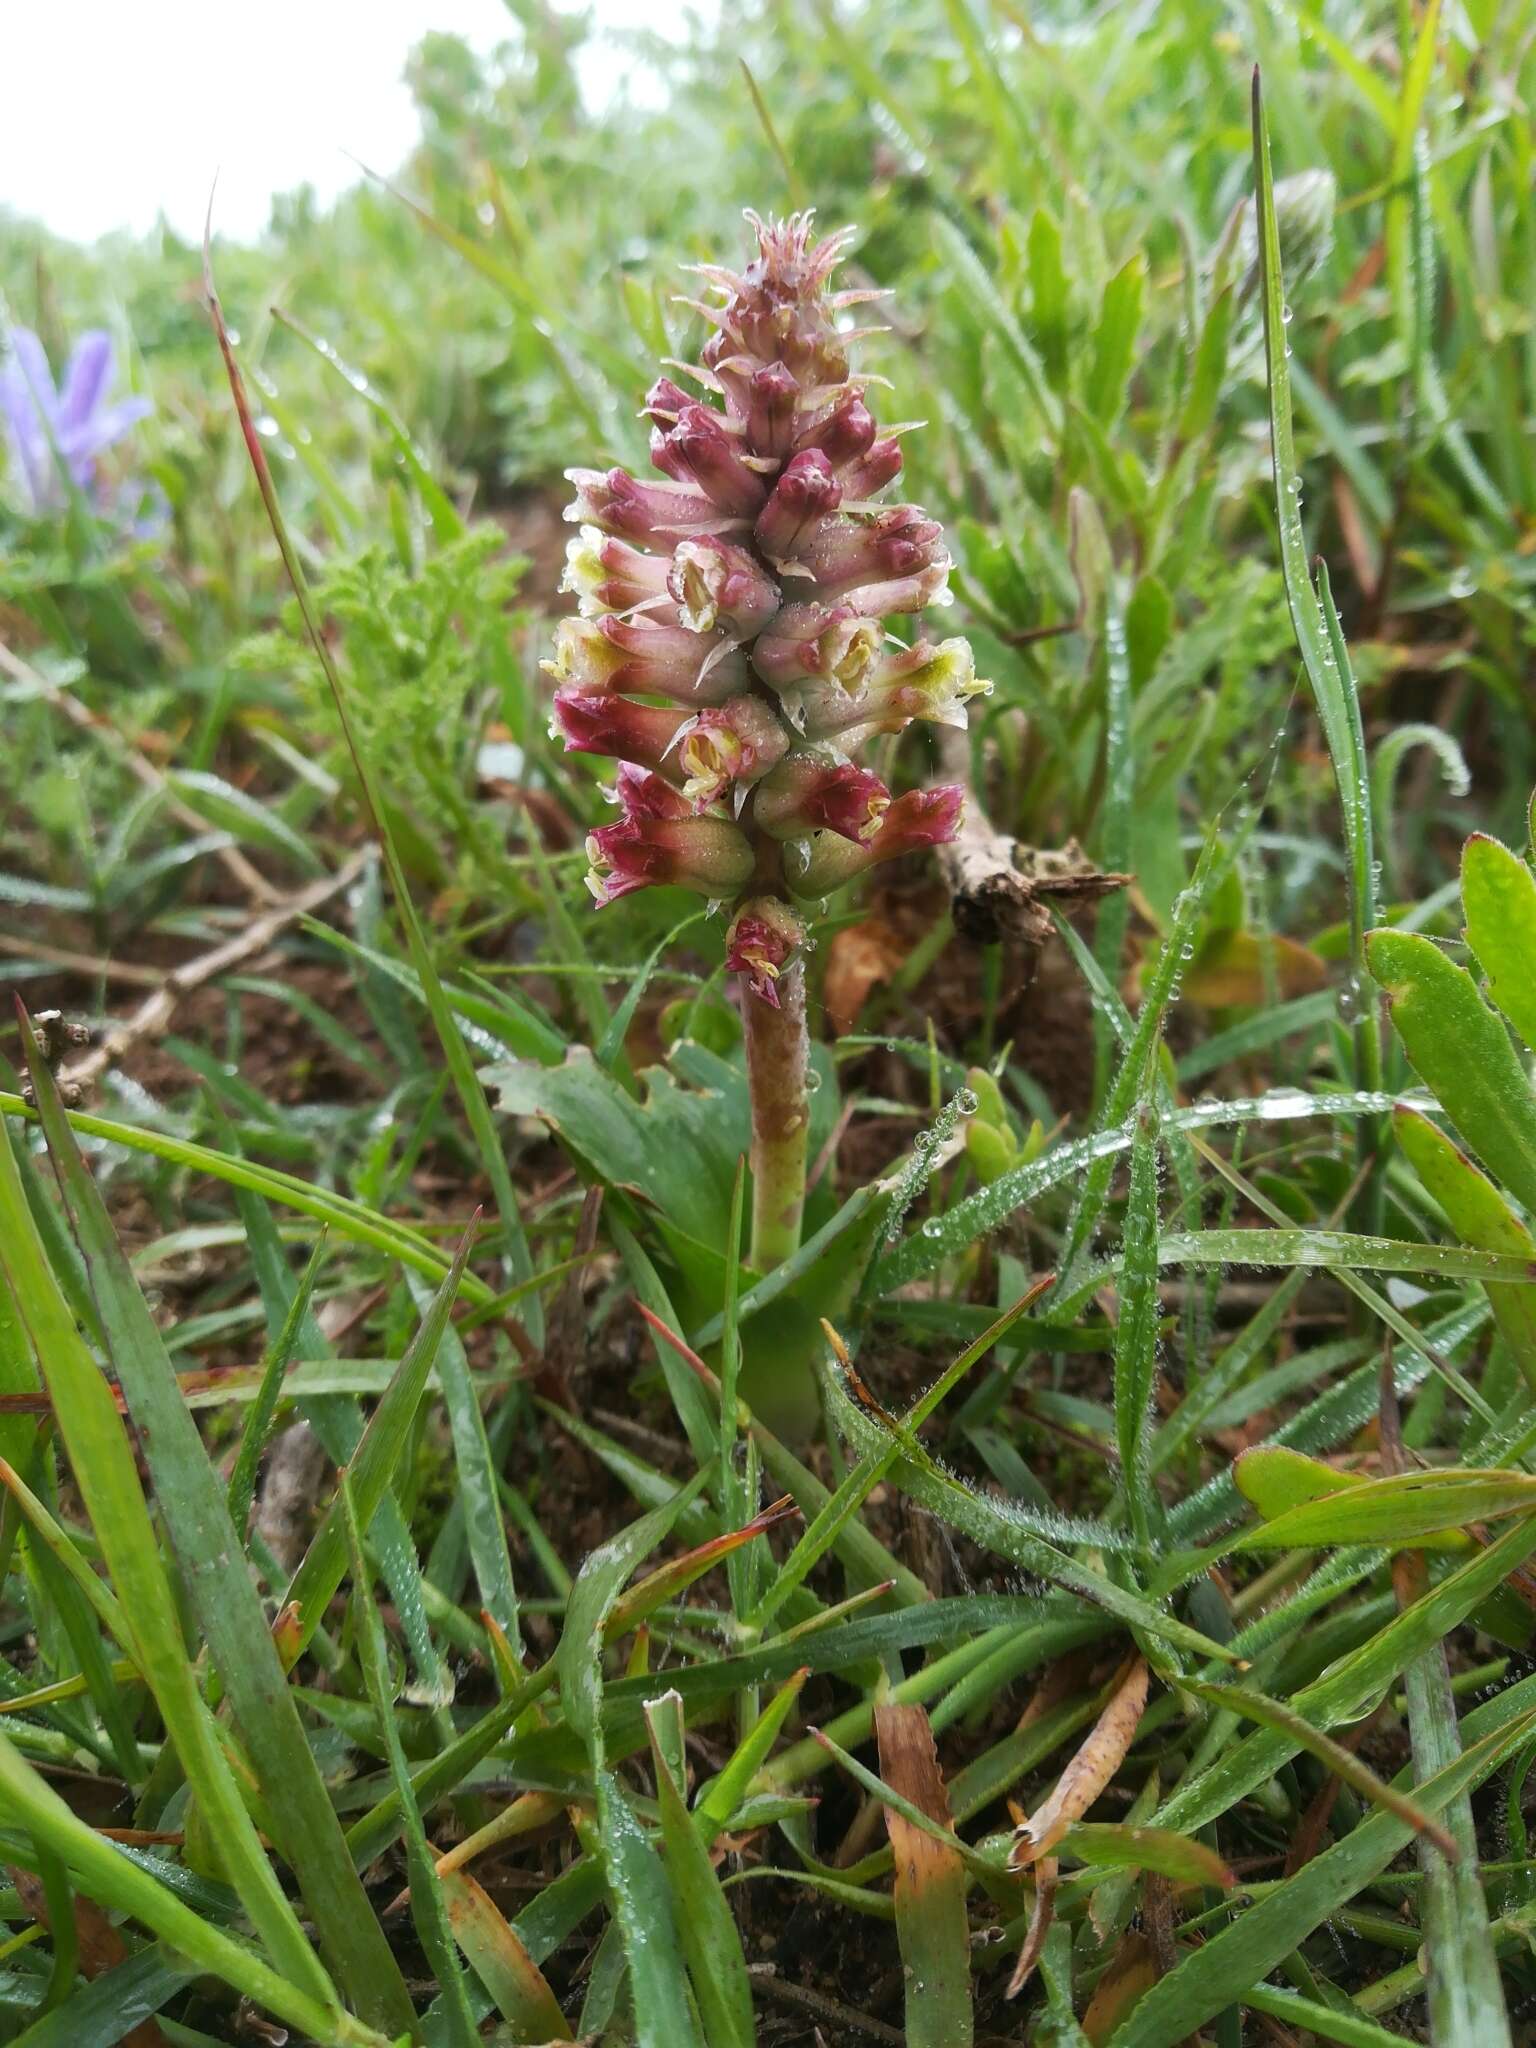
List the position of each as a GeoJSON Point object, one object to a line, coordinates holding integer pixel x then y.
{"type": "Point", "coordinates": [967, 1102]}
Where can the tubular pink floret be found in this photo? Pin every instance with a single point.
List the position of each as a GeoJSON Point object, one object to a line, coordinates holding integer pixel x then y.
{"type": "Point", "coordinates": [765, 935]}
{"type": "Point", "coordinates": [707, 854]}
{"type": "Point", "coordinates": [814, 790]}
{"type": "Point", "coordinates": [920, 818]}
{"type": "Point", "coordinates": [750, 589]}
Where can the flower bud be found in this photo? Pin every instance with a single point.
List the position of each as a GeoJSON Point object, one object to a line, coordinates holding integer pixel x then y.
{"type": "Point", "coordinates": [814, 790]}
{"type": "Point", "coordinates": [806, 493]}
{"type": "Point", "coordinates": [710, 580]}
{"type": "Point", "coordinates": [764, 937]}
{"type": "Point", "coordinates": [844, 432]}
{"type": "Point", "coordinates": [773, 396]}
{"type": "Point", "coordinates": [608, 575]}
{"type": "Point", "coordinates": [664, 401]}
{"type": "Point", "coordinates": [922, 817]}
{"type": "Point", "coordinates": [640, 794]}
{"type": "Point", "coordinates": [661, 513]}
{"type": "Point", "coordinates": [707, 854]}
{"type": "Point", "coordinates": [646, 657]}
{"type": "Point", "coordinates": [702, 450]}
{"type": "Point", "coordinates": [829, 642]}
{"type": "Point", "coordinates": [729, 745]}
{"type": "Point", "coordinates": [854, 550]}
{"type": "Point", "coordinates": [869, 475]}
{"type": "Point", "coordinates": [592, 724]}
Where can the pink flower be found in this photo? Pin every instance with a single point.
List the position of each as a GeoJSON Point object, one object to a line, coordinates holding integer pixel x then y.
{"type": "Point", "coordinates": [922, 817]}
{"type": "Point", "coordinates": [707, 854]}
{"type": "Point", "coordinates": [764, 936]}
{"type": "Point", "coordinates": [647, 656]}
{"type": "Point", "coordinates": [710, 579]}
{"type": "Point", "coordinates": [619, 503]}
{"type": "Point", "coordinates": [730, 744]}
{"type": "Point", "coordinates": [814, 790]}
{"type": "Point", "coordinates": [829, 642]}
{"type": "Point", "coordinates": [591, 724]}
{"type": "Point", "coordinates": [641, 794]}
{"type": "Point", "coordinates": [806, 493]}
{"type": "Point", "coordinates": [732, 651]}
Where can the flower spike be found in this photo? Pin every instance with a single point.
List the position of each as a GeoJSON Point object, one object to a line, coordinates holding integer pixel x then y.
{"type": "Point", "coordinates": [732, 651]}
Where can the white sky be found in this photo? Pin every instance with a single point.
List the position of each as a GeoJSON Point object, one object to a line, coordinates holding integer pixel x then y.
{"type": "Point", "coordinates": [114, 110]}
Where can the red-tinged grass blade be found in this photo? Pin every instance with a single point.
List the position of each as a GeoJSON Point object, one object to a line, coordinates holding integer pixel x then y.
{"type": "Point", "coordinates": [1042, 1914]}
{"type": "Point", "coordinates": [1256, 1706]}
{"type": "Point", "coordinates": [855, 1546]}
{"type": "Point", "coordinates": [223, 1595]}
{"type": "Point", "coordinates": [1131, 1973]}
{"type": "Point", "coordinates": [931, 1921]}
{"type": "Point", "coordinates": [104, 1874]}
{"type": "Point", "coordinates": [498, 1958]}
{"type": "Point", "coordinates": [428, 1908]}
{"type": "Point", "coordinates": [104, 1471]}
{"type": "Point", "coordinates": [916, 1817]}
{"type": "Point", "coordinates": [373, 1465]}
{"type": "Point", "coordinates": [706, 1929]}
{"type": "Point", "coordinates": [669, 1579]}
{"type": "Point", "coordinates": [460, 1063]}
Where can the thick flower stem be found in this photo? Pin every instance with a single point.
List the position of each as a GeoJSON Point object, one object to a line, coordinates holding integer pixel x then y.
{"type": "Point", "coordinates": [778, 1067]}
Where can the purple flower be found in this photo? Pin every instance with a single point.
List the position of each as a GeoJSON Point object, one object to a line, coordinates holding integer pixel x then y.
{"type": "Point", "coordinates": [56, 433]}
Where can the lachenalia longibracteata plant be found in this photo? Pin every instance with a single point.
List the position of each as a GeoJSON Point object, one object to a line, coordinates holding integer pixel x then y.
{"type": "Point", "coordinates": [733, 654]}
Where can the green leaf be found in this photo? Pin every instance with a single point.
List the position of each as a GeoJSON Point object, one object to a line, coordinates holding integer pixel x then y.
{"type": "Point", "coordinates": [1462, 1051]}
{"type": "Point", "coordinates": [103, 1873]}
{"type": "Point", "coordinates": [1136, 1331]}
{"type": "Point", "coordinates": [706, 1929]}
{"type": "Point", "coordinates": [1398, 1511]}
{"type": "Point", "coordinates": [1480, 1216]}
{"type": "Point", "coordinates": [223, 1594]}
{"type": "Point", "coordinates": [1498, 894]}
{"type": "Point", "coordinates": [641, 1899]}
{"type": "Point", "coordinates": [372, 1469]}
{"type": "Point", "coordinates": [1119, 1845]}
{"type": "Point", "coordinates": [1112, 350]}
{"type": "Point", "coordinates": [242, 816]}
{"type": "Point", "coordinates": [1323, 653]}
{"type": "Point", "coordinates": [104, 1470]}
{"type": "Point", "coordinates": [1250, 1946]}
